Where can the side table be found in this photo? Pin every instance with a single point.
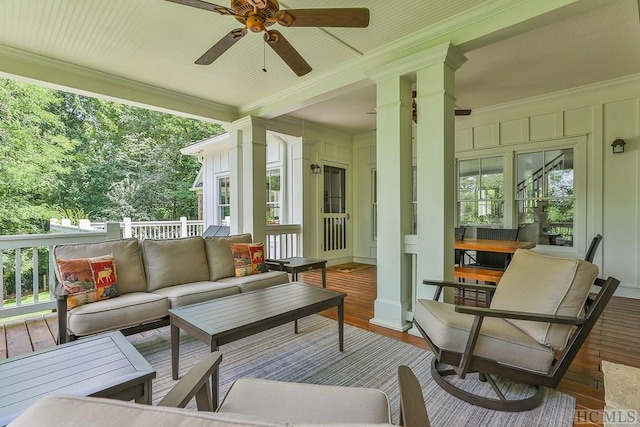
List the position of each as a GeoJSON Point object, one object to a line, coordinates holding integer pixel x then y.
{"type": "Point", "coordinates": [295, 265]}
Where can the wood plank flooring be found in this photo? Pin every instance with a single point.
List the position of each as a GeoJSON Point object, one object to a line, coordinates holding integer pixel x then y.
{"type": "Point", "coordinates": [615, 337]}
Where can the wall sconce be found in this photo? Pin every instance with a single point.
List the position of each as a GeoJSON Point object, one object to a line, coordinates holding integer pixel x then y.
{"type": "Point", "coordinates": [618, 145]}
{"type": "Point", "coordinates": [316, 168]}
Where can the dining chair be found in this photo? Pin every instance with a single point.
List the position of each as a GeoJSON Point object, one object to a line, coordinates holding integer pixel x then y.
{"type": "Point", "coordinates": [593, 247]}
{"type": "Point", "coordinates": [494, 260]}
{"type": "Point", "coordinates": [459, 254]}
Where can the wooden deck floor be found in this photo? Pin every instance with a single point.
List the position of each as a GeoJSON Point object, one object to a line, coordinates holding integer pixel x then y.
{"type": "Point", "coordinates": [615, 338]}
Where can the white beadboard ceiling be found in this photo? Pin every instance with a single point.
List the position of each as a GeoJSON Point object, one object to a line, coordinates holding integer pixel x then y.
{"type": "Point", "coordinates": [156, 42]}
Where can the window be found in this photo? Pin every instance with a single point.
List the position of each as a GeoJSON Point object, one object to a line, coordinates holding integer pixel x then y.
{"type": "Point", "coordinates": [273, 196]}
{"type": "Point", "coordinates": [224, 200]}
{"type": "Point", "coordinates": [481, 191]}
{"type": "Point", "coordinates": [334, 190]}
{"type": "Point", "coordinates": [545, 196]}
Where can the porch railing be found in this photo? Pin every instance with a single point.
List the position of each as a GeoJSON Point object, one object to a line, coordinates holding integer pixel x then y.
{"type": "Point", "coordinates": [283, 241]}
{"type": "Point", "coordinates": [28, 258]}
{"type": "Point", "coordinates": [158, 229]}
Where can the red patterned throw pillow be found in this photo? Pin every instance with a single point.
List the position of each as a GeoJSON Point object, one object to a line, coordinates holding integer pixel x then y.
{"type": "Point", "coordinates": [248, 258]}
{"type": "Point", "coordinates": [104, 275]}
{"type": "Point", "coordinates": [88, 280]}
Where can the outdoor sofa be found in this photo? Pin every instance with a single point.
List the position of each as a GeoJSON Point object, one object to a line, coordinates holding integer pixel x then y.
{"type": "Point", "coordinates": [152, 277]}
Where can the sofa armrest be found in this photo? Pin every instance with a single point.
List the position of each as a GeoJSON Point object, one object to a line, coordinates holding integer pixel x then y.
{"type": "Point", "coordinates": [61, 308]}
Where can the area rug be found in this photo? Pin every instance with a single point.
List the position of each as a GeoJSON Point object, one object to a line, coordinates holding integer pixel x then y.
{"type": "Point", "coordinates": [369, 360]}
{"type": "Point", "coordinates": [621, 385]}
{"type": "Point", "coordinates": [349, 267]}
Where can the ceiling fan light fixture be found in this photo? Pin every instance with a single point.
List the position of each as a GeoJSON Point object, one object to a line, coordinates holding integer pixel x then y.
{"type": "Point", "coordinates": [255, 23]}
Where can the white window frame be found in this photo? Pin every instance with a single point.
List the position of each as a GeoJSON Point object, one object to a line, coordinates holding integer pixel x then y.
{"type": "Point", "coordinates": [219, 206]}
{"type": "Point", "coordinates": [579, 145]}
{"type": "Point", "coordinates": [480, 199]}
{"type": "Point", "coordinates": [277, 203]}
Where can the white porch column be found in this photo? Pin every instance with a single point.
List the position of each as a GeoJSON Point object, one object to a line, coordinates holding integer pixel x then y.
{"type": "Point", "coordinates": [248, 171]}
{"type": "Point", "coordinates": [434, 71]}
{"type": "Point", "coordinates": [394, 177]}
{"type": "Point", "coordinates": [303, 200]}
{"type": "Point", "coordinates": [436, 166]}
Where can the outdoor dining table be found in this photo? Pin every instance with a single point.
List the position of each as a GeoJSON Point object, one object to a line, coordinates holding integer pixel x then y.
{"type": "Point", "coordinates": [487, 245]}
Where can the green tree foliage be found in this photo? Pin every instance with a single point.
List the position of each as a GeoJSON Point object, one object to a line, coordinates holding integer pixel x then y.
{"type": "Point", "coordinates": [34, 155]}
{"type": "Point", "coordinates": [62, 151]}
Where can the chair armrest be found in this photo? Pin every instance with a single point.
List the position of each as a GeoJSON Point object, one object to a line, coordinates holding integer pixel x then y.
{"type": "Point", "coordinates": [413, 411]}
{"type": "Point", "coordinates": [195, 383]}
{"type": "Point", "coordinates": [519, 315]}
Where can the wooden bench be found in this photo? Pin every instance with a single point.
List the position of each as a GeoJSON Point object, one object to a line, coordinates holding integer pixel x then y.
{"type": "Point", "coordinates": [482, 274]}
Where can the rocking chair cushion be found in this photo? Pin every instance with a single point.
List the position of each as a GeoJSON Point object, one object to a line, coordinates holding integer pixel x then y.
{"type": "Point", "coordinates": [499, 340]}
{"type": "Point", "coordinates": [542, 284]}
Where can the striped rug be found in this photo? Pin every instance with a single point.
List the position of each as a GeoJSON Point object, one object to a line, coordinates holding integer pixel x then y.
{"type": "Point", "coordinates": [369, 360]}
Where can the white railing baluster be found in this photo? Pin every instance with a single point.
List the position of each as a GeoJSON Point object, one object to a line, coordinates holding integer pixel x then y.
{"type": "Point", "coordinates": [1, 279]}
{"type": "Point", "coordinates": [18, 289]}
{"type": "Point", "coordinates": [52, 274]}
{"type": "Point", "coordinates": [36, 276]}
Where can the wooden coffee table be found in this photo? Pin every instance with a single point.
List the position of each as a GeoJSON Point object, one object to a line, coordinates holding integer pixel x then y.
{"type": "Point", "coordinates": [231, 318]}
{"type": "Point", "coordinates": [104, 365]}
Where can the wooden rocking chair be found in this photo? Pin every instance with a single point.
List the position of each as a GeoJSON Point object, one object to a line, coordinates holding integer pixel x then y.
{"type": "Point", "coordinates": [540, 315]}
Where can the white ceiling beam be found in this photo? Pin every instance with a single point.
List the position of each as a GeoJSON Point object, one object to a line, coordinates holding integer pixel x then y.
{"type": "Point", "coordinates": [21, 65]}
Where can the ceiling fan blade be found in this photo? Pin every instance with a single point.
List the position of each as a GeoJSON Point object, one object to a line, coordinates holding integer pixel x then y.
{"type": "Point", "coordinates": [222, 46]}
{"type": "Point", "coordinates": [287, 52]}
{"type": "Point", "coordinates": [463, 112]}
{"type": "Point", "coordinates": [206, 6]}
{"type": "Point", "coordinates": [341, 17]}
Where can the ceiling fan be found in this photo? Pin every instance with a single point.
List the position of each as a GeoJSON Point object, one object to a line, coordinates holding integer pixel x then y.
{"type": "Point", "coordinates": [257, 15]}
{"type": "Point", "coordinates": [458, 111]}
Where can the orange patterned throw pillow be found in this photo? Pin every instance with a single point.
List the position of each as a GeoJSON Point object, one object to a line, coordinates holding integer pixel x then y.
{"type": "Point", "coordinates": [248, 258]}
{"type": "Point", "coordinates": [88, 280]}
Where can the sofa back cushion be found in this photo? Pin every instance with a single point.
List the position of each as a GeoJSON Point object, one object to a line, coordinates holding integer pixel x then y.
{"type": "Point", "coordinates": [219, 256]}
{"type": "Point", "coordinates": [174, 262]}
{"type": "Point", "coordinates": [126, 253]}
{"type": "Point", "coordinates": [543, 284]}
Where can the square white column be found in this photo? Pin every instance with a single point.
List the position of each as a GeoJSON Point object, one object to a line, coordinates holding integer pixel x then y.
{"type": "Point", "coordinates": [248, 171]}
{"type": "Point", "coordinates": [394, 193]}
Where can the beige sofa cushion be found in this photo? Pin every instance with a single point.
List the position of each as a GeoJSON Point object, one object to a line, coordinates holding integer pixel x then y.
{"type": "Point", "coordinates": [498, 340]}
{"type": "Point", "coordinates": [117, 313]}
{"type": "Point", "coordinates": [257, 281]}
{"type": "Point", "coordinates": [126, 252]}
{"type": "Point", "coordinates": [174, 262]}
{"type": "Point", "coordinates": [564, 282]}
{"type": "Point", "coordinates": [74, 411]}
{"type": "Point", "coordinates": [279, 401]}
{"type": "Point", "coordinates": [219, 255]}
{"type": "Point", "coordinates": [193, 293]}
